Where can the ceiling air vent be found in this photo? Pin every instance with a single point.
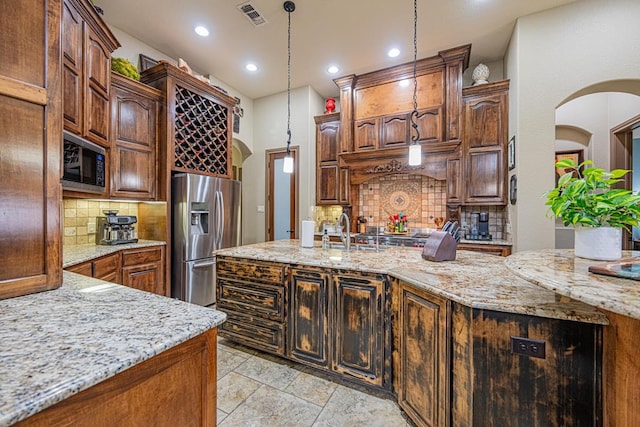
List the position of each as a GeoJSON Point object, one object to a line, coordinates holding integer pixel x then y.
{"type": "Point", "coordinates": [252, 14]}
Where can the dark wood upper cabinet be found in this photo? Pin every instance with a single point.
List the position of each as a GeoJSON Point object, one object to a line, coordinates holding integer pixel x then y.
{"type": "Point", "coordinates": [87, 44]}
{"type": "Point", "coordinates": [484, 143]}
{"type": "Point", "coordinates": [134, 119]}
{"type": "Point", "coordinates": [30, 137]}
{"type": "Point", "coordinates": [330, 178]}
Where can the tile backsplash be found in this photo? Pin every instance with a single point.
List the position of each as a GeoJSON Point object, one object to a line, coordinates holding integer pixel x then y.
{"type": "Point", "coordinates": [421, 198]}
{"type": "Point", "coordinates": [80, 213]}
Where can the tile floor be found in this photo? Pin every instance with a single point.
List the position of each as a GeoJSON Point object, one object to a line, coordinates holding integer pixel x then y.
{"type": "Point", "coordinates": [260, 390]}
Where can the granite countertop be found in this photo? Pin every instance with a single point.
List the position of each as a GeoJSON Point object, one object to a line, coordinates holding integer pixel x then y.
{"type": "Point", "coordinates": [474, 279]}
{"type": "Point", "coordinates": [561, 272]}
{"type": "Point", "coordinates": [57, 343]}
{"type": "Point", "coordinates": [76, 254]}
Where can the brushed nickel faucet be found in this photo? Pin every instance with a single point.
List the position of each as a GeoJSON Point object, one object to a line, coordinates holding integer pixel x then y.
{"type": "Point", "coordinates": [345, 237]}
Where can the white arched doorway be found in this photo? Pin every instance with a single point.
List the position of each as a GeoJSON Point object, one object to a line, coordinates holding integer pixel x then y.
{"type": "Point", "coordinates": [585, 122]}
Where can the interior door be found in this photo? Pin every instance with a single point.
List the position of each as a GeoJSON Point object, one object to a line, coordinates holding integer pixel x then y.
{"type": "Point", "coordinates": [622, 157]}
{"type": "Point", "coordinates": [282, 196]}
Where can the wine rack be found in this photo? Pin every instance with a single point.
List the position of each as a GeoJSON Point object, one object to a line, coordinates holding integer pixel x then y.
{"type": "Point", "coordinates": [198, 125]}
{"type": "Point", "coordinates": [201, 137]}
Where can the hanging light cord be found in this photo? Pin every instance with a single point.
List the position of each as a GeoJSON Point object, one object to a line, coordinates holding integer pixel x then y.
{"type": "Point", "coordinates": [414, 114]}
{"type": "Point", "coordinates": [289, 10]}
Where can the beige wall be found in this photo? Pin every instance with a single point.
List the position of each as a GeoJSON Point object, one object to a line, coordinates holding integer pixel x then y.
{"type": "Point", "coordinates": [551, 56]}
{"type": "Point", "coordinates": [270, 130]}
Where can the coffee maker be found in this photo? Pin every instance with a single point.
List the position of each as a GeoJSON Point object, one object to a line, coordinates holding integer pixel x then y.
{"type": "Point", "coordinates": [479, 229]}
{"type": "Point", "coordinates": [114, 229]}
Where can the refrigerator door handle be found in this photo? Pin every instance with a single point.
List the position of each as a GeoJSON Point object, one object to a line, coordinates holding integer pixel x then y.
{"type": "Point", "coordinates": [201, 264]}
{"type": "Point", "coordinates": [221, 219]}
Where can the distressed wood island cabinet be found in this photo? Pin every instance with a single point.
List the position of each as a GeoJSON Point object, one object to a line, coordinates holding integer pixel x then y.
{"type": "Point", "coordinates": [438, 337]}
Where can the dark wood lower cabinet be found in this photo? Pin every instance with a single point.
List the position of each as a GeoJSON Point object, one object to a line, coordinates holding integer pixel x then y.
{"type": "Point", "coordinates": [361, 340]}
{"type": "Point", "coordinates": [424, 348]}
{"type": "Point", "coordinates": [495, 386]}
{"type": "Point", "coordinates": [254, 296]}
{"type": "Point", "coordinates": [307, 331]}
{"type": "Point", "coordinates": [448, 364]}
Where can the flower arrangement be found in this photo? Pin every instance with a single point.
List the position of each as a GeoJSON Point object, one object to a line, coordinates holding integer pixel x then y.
{"type": "Point", "coordinates": [398, 223]}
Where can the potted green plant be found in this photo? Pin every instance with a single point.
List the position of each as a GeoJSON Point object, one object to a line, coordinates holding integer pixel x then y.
{"type": "Point", "coordinates": [584, 198]}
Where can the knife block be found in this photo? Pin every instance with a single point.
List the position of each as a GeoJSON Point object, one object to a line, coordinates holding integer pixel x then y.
{"type": "Point", "coordinates": [440, 246]}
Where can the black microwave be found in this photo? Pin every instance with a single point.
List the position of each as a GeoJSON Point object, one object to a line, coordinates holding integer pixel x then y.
{"type": "Point", "coordinates": [83, 165]}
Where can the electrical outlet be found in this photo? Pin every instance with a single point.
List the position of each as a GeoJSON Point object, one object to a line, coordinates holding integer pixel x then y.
{"type": "Point", "coordinates": [528, 347]}
{"type": "Point", "coordinates": [91, 227]}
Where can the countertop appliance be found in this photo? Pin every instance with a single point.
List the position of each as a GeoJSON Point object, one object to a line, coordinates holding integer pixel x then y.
{"type": "Point", "coordinates": [479, 227]}
{"type": "Point", "coordinates": [83, 165]}
{"type": "Point", "coordinates": [206, 217]}
{"type": "Point", "coordinates": [114, 229]}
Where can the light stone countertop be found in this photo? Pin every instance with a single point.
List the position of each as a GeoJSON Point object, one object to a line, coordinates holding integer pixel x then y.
{"type": "Point", "coordinates": [56, 343]}
{"type": "Point", "coordinates": [76, 254]}
{"type": "Point", "coordinates": [474, 279]}
{"type": "Point", "coordinates": [561, 272]}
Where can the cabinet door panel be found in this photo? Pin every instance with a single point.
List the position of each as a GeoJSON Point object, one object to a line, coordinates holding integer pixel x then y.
{"type": "Point", "coordinates": [485, 176]}
{"type": "Point", "coordinates": [484, 122]}
{"type": "Point", "coordinates": [365, 134]}
{"type": "Point", "coordinates": [424, 350]}
{"type": "Point", "coordinates": [22, 240]}
{"type": "Point", "coordinates": [327, 181]}
{"type": "Point", "coordinates": [394, 131]}
{"type": "Point", "coordinates": [454, 181]}
{"type": "Point", "coordinates": [343, 191]}
{"type": "Point", "coordinates": [132, 172]}
{"type": "Point", "coordinates": [97, 117]}
{"type": "Point", "coordinates": [98, 76]}
{"type": "Point", "coordinates": [147, 277]}
{"type": "Point", "coordinates": [327, 140]}
{"type": "Point", "coordinates": [359, 328]}
{"type": "Point", "coordinates": [72, 69]}
{"type": "Point", "coordinates": [308, 317]}
{"type": "Point", "coordinates": [429, 125]}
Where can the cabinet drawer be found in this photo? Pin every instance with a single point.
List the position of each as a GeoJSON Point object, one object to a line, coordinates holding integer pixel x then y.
{"type": "Point", "coordinates": [255, 270]}
{"type": "Point", "coordinates": [86, 269]}
{"type": "Point", "coordinates": [266, 301]}
{"type": "Point", "coordinates": [144, 256]}
{"type": "Point", "coordinates": [106, 267]}
{"type": "Point", "coordinates": [254, 332]}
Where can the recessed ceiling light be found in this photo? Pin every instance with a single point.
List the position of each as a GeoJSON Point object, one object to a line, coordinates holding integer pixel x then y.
{"type": "Point", "coordinates": [251, 67]}
{"type": "Point", "coordinates": [201, 31]}
{"type": "Point", "coordinates": [333, 69]}
{"type": "Point", "coordinates": [393, 52]}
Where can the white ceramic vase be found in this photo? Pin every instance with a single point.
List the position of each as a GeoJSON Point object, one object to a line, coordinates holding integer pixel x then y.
{"type": "Point", "coordinates": [600, 243]}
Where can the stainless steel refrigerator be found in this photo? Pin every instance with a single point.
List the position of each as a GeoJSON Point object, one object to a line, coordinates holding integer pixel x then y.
{"type": "Point", "coordinates": [206, 217]}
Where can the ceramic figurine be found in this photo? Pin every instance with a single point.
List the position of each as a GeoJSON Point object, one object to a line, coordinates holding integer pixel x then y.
{"type": "Point", "coordinates": [480, 75]}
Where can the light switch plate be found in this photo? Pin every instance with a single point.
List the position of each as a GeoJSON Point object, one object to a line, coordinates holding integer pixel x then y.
{"type": "Point", "coordinates": [91, 227]}
{"type": "Point", "coordinates": [260, 208]}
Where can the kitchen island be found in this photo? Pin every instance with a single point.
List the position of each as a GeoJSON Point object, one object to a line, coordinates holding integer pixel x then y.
{"type": "Point", "coordinates": [96, 352]}
{"type": "Point", "coordinates": [443, 338]}
{"type": "Point", "coordinates": [563, 273]}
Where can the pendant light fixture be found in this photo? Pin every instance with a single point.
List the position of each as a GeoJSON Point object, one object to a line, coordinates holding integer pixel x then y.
{"type": "Point", "coordinates": [289, 7]}
{"type": "Point", "coordinates": [415, 149]}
